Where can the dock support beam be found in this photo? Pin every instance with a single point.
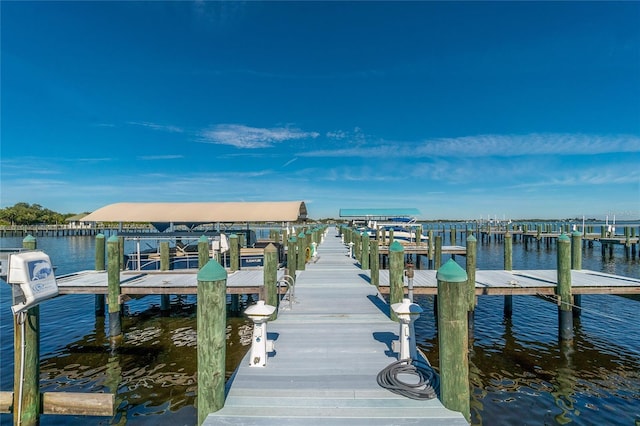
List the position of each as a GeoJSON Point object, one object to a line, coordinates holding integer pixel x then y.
{"type": "Point", "coordinates": [270, 278]}
{"type": "Point", "coordinates": [375, 263]}
{"type": "Point", "coordinates": [471, 277]}
{"type": "Point", "coordinates": [563, 290]}
{"type": "Point", "coordinates": [364, 263]}
{"type": "Point", "coordinates": [576, 263]}
{"type": "Point", "coordinates": [26, 337]}
{"type": "Point", "coordinates": [234, 252]}
{"type": "Point", "coordinates": [396, 275]}
{"type": "Point", "coordinates": [100, 266]}
{"type": "Point", "coordinates": [113, 281]}
{"type": "Point", "coordinates": [165, 302]}
{"type": "Point", "coordinates": [453, 337]}
{"type": "Point", "coordinates": [508, 266]}
{"type": "Point", "coordinates": [211, 338]}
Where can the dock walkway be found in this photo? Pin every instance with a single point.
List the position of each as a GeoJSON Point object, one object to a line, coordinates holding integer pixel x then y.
{"type": "Point", "coordinates": [329, 349]}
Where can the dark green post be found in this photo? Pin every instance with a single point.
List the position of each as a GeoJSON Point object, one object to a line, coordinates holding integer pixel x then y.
{"type": "Point", "coordinates": [375, 263]}
{"type": "Point", "coordinates": [576, 263]}
{"type": "Point", "coordinates": [396, 275]}
{"type": "Point", "coordinates": [165, 299]}
{"type": "Point", "coordinates": [270, 278]}
{"type": "Point", "coordinates": [203, 251]}
{"type": "Point", "coordinates": [211, 338]}
{"type": "Point", "coordinates": [113, 281]}
{"type": "Point", "coordinates": [563, 289]}
{"type": "Point", "coordinates": [121, 251]}
{"type": "Point", "coordinates": [291, 256]}
{"type": "Point", "coordinates": [364, 263]}
{"type": "Point", "coordinates": [302, 255]}
{"type": "Point", "coordinates": [453, 337]}
{"type": "Point", "coordinates": [508, 266]}
{"type": "Point", "coordinates": [471, 263]}
{"type": "Point", "coordinates": [164, 256]}
{"type": "Point", "coordinates": [29, 409]}
{"type": "Point", "coordinates": [100, 266]}
{"type": "Point", "coordinates": [430, 241]}
{"type": "Point", "coordinates": [234, 252]}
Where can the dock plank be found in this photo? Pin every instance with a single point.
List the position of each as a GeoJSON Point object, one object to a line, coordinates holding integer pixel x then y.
{"type": "Point", "coordinates": [329, 349]}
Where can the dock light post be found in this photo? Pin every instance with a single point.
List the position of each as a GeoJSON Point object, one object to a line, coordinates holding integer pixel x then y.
{"type": "Point", "coordinates": [260, 345]}
{"type": "Point", "coordinates": [351, 249]}
{"type": "Point", "coordinates": [409, 273]}
{"type": "Point", "coordinates": [314, 250]}
{"type": "Point", "coordinates": [407, 312]}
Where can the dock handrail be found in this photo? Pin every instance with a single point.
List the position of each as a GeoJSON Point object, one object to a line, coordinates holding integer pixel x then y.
{"type": "Point", "coordinates": [290, 282]}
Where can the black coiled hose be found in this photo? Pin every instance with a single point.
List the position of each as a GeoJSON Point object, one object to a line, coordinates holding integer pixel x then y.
{"type": "Point", "coordinates": [428, 384]}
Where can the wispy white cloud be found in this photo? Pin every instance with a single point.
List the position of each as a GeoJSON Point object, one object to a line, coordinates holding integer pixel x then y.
{"type": "Point", "coordinates": [487, 146]}
{"type": "Point", "coordinates": [242, 136]}
{"type": "Point", "coordinates": [161, 157]}
{"type": "Point", "coordinates": [289, 162]}
{"type": "Point", "coordinates": [159, 127]}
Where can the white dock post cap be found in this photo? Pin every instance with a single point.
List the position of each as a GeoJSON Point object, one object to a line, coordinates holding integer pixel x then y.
{"type": "Point", "coordinates": [406, 310]}
{"type": "Point", "coordinates": [259, 311]}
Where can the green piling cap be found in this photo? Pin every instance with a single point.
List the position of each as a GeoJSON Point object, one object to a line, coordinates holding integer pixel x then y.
{"type": "Point", "coordinates": [396, 246]}
{"type": "Point", "coordinates": [451, 272]}
{"type": "Point", "coordinates": [576, 233]}
{"type": "Point", "coordinates": [203, 239]}
{"type": "Point", "coordinates": [301, 235]}
{"type": "Point", "coordinates": [293, 239]}
{"type": "Point", "coordinates": [212, 271]}
{"type": "Point", "coordinates": [112, 239]}
{"type": "Point", "coordinates": [29, 239]}
{"type": "Point", "coordinates": [564, 238]}
{"type": "Point", "coordinates": [233, 236]}
{"type": "Point", "coordinates": [472, 238]}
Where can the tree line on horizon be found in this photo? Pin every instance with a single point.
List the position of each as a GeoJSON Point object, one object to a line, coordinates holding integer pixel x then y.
{"type": "Point", "coordinates": [31, 214]}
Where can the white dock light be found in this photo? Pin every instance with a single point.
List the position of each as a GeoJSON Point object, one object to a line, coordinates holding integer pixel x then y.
{"type": "Point", "coordinates": [260, 345]}
{"type": "Point", "coordinates": [407, 313]}
{"type": "Point", "coordinates": [351, 249]}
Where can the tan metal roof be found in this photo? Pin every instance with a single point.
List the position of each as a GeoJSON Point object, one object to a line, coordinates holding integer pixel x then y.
{"type": "Point", "coordinates": [287, 211]}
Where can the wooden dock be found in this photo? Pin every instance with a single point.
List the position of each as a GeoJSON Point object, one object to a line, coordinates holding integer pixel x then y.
{"type": "Point", "coordinates": [329, 349]}
{"type": "Point", "coordinates": [249, 281]}
{"type": "Point", "coordinates": [529, 282]}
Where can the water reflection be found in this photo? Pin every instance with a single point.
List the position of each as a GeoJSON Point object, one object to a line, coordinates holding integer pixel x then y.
{"type": "Point", "coordinates": [153, 371]}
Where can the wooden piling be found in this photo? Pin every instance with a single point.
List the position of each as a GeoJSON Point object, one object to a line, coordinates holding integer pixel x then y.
{"type": "Point", "coordinates": [113, 282]}
{"type": "Point", "coordinates": [100, 266]}
{"type": "Point", "coordinates": [396, 275]}
{"type": "Point", "coordinates": [508, 266]}
{"type": "Point", "coordinates": [234, 252]}
{"type": "Point", "coordinates": [364, 263]}
{"type": "Point", "coordinates": [203, 251]}
{"type": "Point", "coordinates": [211, 338]}
{"type": "Point", "coordinates": [301, 255]}
{"type": "Point", "coordinates": [375, 263]}
{"type": "Point", "coordinates": [453, 337]}
{"type": "Point", "coordinates": [563, 289]}
{"type": "Point", "coordinates": [437, 261]}
{"type": "Point", "coordinates": [291, 256]}
{"type": "Point", "coordinates": [270, 278]}
{"type": "Point", "coordinates": [471, 264]}
{"type": "Point", "coordinates": [26, 337]}
{"type": "Point", "coordinates": [576, 263]}
{"type": "Point", "coordinates": [165, 301]}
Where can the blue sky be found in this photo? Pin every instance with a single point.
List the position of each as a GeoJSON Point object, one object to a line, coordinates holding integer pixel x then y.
{"type": "Point", "coordinates": [462, 110]}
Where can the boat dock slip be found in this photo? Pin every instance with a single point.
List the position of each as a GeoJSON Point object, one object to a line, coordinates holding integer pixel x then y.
{"type": "Point", "coordinates": [248, 281]}
{"type": "Point", "coordinates": [329, 348]}
{"type": "Point", "coordinates": [531, 282]}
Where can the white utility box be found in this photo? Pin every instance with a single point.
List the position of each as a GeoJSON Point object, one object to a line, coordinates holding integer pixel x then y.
{"type": "Point", "coordinates": [31, 275]}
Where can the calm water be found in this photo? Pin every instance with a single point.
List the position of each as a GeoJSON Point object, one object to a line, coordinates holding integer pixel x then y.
{"type": "Point", "coordinates": [519, 372]}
